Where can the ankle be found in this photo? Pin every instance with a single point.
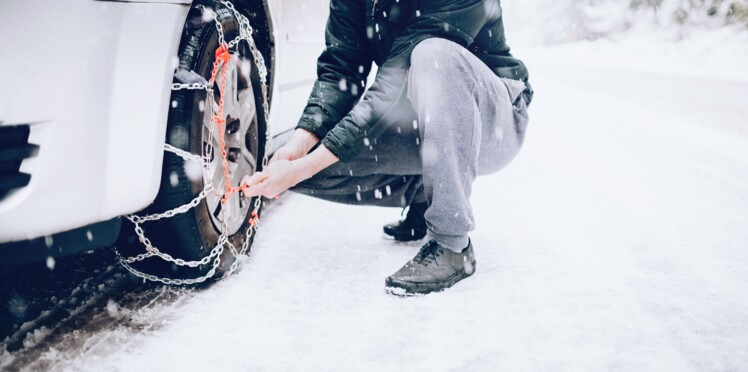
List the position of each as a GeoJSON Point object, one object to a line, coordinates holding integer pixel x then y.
{"type": "Point", "coordinates": [416, 211]}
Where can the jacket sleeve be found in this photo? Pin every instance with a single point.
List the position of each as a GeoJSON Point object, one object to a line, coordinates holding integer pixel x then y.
{"type": "Point", "coordinates": [342, 68]}
{"type": "Point", "coordinates": [456, 20]}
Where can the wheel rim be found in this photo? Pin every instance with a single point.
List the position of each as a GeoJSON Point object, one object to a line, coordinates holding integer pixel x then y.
{"type": "Point", "coordinates": [240, 110]}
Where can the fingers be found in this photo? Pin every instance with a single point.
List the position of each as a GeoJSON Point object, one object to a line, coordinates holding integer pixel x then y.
{"type": "Point", "coordinates": [271, 181]}
{"type": "Point", "coordinates": [251, 182]}
{"type": "Point", "coordinates": [257, 189]}
{"type": "Point", "coordinates": [245, 180]}
{"type": "Point", "coordinates": [282, 154]}
{"type": "Point", "coordinates": [292, 150]}
{"type": "Point", "coordinates": [257, 178]}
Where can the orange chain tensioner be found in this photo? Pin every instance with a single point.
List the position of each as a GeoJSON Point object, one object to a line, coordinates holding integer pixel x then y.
{"type": "Point", "coordinates": [223, 56]}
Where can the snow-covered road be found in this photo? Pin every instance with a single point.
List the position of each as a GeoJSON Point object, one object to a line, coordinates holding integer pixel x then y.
{"type": "Point", "coordinates": [617, 240]}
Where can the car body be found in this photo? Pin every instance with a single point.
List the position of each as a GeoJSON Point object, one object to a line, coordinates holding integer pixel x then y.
{"type": "Point", "coordinates": [89, 84]}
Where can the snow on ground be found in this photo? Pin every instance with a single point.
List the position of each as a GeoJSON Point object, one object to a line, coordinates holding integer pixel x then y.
{"type": "Point", "coordinates": [615, 241]}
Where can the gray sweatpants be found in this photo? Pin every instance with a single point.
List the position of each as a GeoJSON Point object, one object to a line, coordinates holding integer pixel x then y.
{"type": "Point", "coordinates": [459, 120]}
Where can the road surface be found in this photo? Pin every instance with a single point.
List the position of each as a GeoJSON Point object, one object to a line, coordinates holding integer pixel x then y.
{"type": "Point", "coordinates": [617, 240]}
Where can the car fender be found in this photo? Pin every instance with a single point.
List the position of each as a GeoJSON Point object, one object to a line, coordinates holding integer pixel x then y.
{"type": "Point", "coordinates": [95, 86]}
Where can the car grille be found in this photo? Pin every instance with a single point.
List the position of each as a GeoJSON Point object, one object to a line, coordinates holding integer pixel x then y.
{"type": "Point", "coordinates": [14, 148]}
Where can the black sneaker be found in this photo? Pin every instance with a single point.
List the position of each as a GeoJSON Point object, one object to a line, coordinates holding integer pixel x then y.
{"type": "Point", "coordinates": [433, 269]}
{"type": "Point", "coordinates": [413, 227]}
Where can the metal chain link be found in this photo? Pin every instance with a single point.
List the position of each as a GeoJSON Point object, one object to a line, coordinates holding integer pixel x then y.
{"type": "Point", "coordinates": [245, 34]}
{"type": "Point", "coordinates": [193, 86]}
{"type": "Point", "coordinates": [183, 154]}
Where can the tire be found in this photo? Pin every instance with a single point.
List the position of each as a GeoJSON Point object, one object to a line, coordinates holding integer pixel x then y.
{"type": "Point", "coordinates": [192, 235]}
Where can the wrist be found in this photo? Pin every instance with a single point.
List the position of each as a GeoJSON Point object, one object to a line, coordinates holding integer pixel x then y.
{"type": "Point", "coordinates": [304, 138]}
{"type": "Point", "coordinates": [313, 163]}
{"type": "Point", "coordinates": [303, 168]}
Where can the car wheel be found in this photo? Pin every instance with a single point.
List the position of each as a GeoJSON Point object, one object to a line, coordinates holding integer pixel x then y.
{"type": "Point", "coordinates": [193, 235]}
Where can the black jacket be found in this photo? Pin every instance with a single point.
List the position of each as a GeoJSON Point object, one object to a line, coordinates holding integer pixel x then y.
{"type": "Point", "coordinates": [360, 32]}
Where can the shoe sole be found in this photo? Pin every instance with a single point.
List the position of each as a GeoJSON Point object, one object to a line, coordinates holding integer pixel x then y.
{"type": "Point", "coordinates": [404, 237]}
{"type": "Point", "coordinates": [409, 289]}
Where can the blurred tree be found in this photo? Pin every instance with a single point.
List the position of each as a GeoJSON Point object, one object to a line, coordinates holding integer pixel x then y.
{"type": "Point", "coordinates": [557, 21]}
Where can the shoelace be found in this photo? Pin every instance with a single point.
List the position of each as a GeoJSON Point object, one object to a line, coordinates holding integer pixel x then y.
{"type": "Point", "coordinates": [428, 253]}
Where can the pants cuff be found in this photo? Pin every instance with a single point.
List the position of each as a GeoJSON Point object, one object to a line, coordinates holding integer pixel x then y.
{"type": "Point", "coordinates": [455, 243]}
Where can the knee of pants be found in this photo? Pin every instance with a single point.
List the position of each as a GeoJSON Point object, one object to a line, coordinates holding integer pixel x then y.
{"type": "Point", "coordinates": [437, 59]}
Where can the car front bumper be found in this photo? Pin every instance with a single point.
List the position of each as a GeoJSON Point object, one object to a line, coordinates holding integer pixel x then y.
{"type": "Point", "coordinates": [92, 81]}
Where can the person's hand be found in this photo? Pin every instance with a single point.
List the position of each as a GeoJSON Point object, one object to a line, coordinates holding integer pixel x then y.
{"type": "Point", "coordinates": [283, 174]}
{"type": "Point", "coordinates": [289, 151]}
{"type": "Point", "coordinates": [278, 177]}
{"type": "Point", "coordinates": [298, 146]}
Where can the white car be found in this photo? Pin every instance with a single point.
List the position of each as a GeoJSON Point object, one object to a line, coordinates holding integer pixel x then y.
{"type": "Point", "coordinates": [95, 91]}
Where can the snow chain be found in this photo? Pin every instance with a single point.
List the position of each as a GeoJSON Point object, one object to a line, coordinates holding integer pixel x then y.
{"type": "Point", "coordinates": [222, 59]}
